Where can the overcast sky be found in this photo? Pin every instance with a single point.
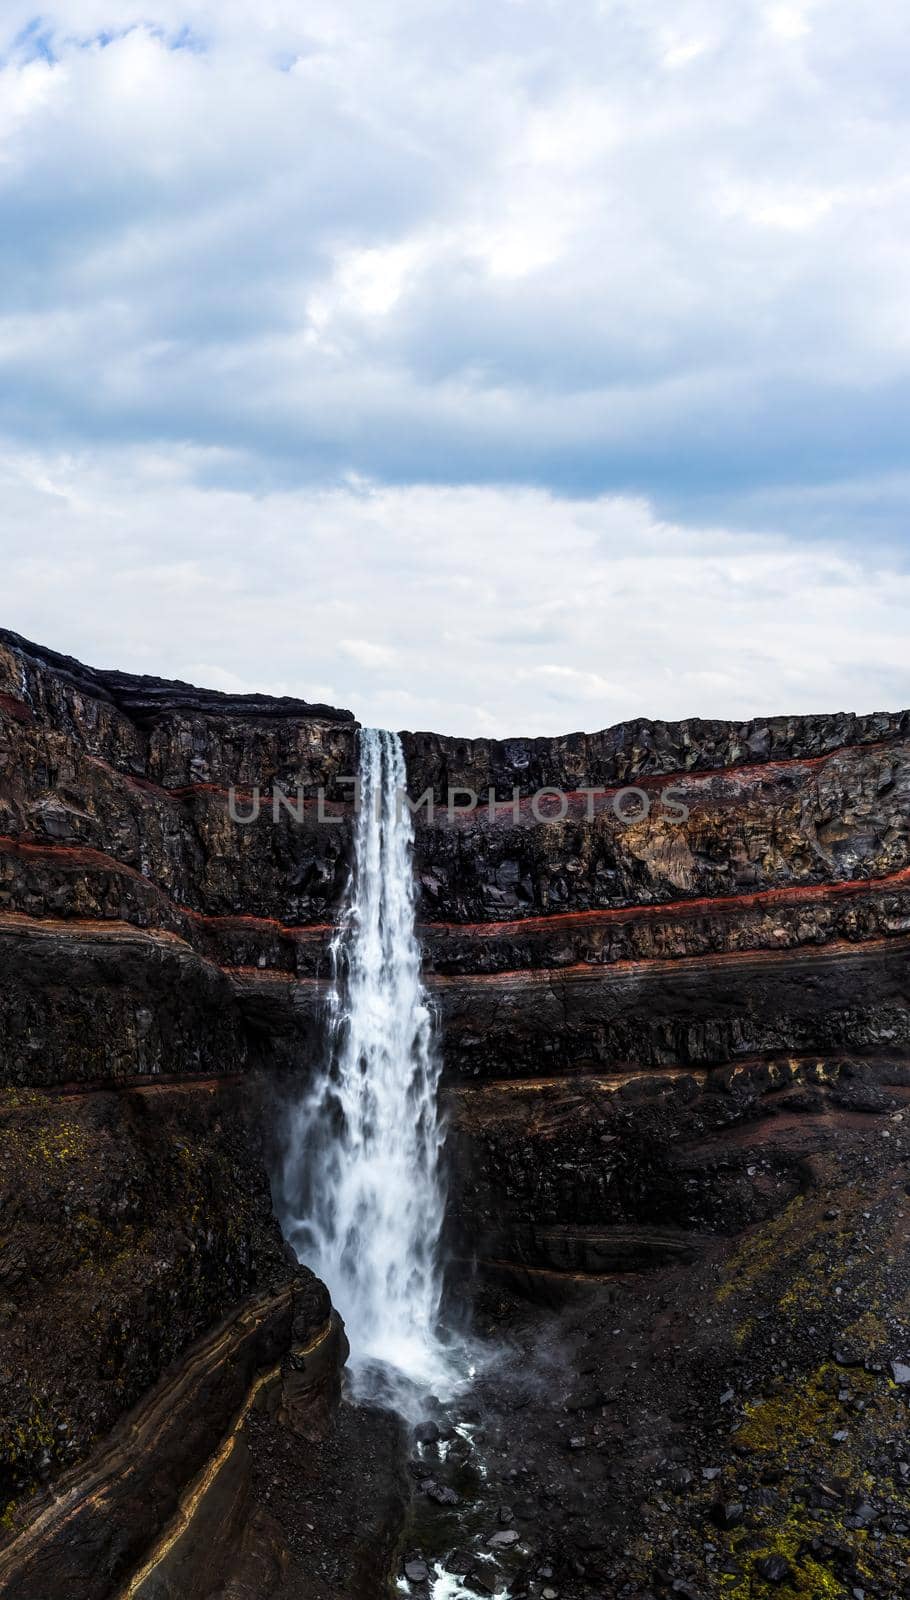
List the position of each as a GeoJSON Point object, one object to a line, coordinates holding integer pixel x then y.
{"type": "Point", "coordinates": [508, 367]}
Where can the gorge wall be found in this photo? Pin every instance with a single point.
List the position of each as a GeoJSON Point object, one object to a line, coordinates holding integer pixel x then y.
{"type": "Point", "coordinates": [653, 1033]}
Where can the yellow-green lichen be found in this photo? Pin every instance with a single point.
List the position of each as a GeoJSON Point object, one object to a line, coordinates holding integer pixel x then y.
{"type": "Point", "coordinates": [759, 1251]}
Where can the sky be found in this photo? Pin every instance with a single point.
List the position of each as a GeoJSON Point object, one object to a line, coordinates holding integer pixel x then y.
{"type": "Point", "coordinates": [508, 367]}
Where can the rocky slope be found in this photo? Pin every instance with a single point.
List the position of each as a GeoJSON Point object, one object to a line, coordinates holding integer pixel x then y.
{"type": "Point", "coordinates": [660, 1036]}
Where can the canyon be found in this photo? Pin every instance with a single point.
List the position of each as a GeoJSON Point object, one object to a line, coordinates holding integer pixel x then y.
{"type": "Point", "coordinates": [676, 1083]}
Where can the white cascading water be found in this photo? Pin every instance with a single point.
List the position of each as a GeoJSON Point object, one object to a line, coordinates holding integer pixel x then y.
{"type": "Point", "coordinates": [363, 1196]}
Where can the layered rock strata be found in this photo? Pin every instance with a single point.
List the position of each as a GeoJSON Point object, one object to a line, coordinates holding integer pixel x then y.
{"type": "Point", "coordinates": [149, 1309]}
{"type": "Point", "coordinates": [653, 1029]}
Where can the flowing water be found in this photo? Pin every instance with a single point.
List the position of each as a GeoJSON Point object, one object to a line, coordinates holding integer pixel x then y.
{"type": "Point", "coordinates": [363, 1195]}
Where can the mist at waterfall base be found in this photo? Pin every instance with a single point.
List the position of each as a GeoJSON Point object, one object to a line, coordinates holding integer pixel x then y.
{"type": "Point", "coordinates": [361, 1195]}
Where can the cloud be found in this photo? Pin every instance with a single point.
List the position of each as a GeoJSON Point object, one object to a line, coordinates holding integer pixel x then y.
{"type": "Point", "coordinates": [653, 249]}
{"type": "Point", "coordinates": [367, 654]}
{"type": "Point", "coordinates": [503, 365]}
{"type": "Point", "coordinates": [465, 609]}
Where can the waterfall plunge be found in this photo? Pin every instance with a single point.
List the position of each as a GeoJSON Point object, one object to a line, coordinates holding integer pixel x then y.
{"type": "Point", "coordinates": [363, 1192]}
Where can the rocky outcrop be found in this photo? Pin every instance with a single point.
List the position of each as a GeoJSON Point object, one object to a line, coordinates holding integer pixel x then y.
{"type": "Point", "coordinates": [635, 750]}
{"type": "Point", "coordinates": [153, 1326]}
{"type": "Point", "coordinates": [562, 1179]}
{"type": "Point", "coordinates": [134, 1219]}
{"type": "Point", "coordinates": [660, 1014]}
{"type": "Point", "coordinates": [112, 1525]}
{"type": "Point", "coordinates": [630, 1009]}
{"type": "Point", "coordinates": [142, 699]}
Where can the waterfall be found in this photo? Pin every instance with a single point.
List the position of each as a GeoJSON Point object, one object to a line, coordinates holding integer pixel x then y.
{"type": "Point", "coordinates": [362, 1188]}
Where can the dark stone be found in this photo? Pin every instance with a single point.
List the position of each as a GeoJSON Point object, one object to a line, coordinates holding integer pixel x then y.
{"type": "Point", "coordinates": [727, 1513]}
{"type": "Point", "coordinates": [680, 1479]}
{"type": "Point", "coordinates": [440, 1493]}
{"type": "Point", "coordinates": [862, 1516]}
{"type": "Point", "coordinates": [460, 1562]}
{"type": "Point", "coordinates": [484, 1582]}
{"type": "Point", "coordinates": [848, 1355]}
{"type": "Point", "coordinates": [775, 1568]}
{"type": "Point", "coordinates": [586, 1399]}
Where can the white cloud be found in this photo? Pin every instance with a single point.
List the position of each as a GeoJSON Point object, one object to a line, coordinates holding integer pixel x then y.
{"type": "Point", "coordinates": [789, 21]}
{"type": "Point", "coordinates": [468, 610]}
{"type": "Point", "coordinates": [366, 653]}
{"type": "Point", "coordinates": [608, 247]}
{"type": "Point", "coordinates": [480, 338]}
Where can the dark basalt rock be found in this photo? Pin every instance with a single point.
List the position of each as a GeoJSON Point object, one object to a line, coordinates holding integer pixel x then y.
{"type": "Point", "coordinates": [632, 750]}
{"type": "Point", "coordinates": [776, 1569]}
{"type": "Point", "coordinates": [677, 1068]}
{"type": "Point", "coordinates": [145, 699]}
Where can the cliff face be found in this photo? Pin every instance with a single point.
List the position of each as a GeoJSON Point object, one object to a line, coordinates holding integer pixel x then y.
{"type": "Point", "coordinates": [651, 1029]}
{"type": "Point", "coordinates": [140, 1264]}
{"type": "Point", "coordinates": [628, 1006]}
